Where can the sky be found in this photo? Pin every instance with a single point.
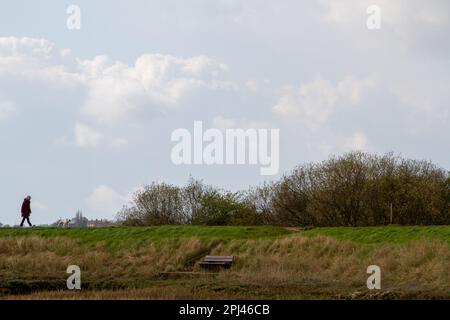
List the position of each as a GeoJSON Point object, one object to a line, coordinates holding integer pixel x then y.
{"type": "Point", "coordinates": [86, 115]}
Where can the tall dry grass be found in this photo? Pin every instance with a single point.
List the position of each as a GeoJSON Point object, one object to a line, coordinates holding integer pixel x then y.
{"type": "Point", "coordinates": [421, 265]}
{"type": "Point", "coordinates": [289, 267]}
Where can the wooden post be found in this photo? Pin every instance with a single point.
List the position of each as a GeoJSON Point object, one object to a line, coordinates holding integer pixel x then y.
{"type": "Point", "coordinates": [391, 212]}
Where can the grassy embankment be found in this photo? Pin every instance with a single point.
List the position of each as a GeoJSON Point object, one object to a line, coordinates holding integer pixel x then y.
{"type": "Point", "coordinates": [273, 263]}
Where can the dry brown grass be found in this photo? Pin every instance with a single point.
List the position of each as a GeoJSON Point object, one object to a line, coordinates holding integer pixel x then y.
{"type": "Point", "coordinates": [290, 267]}
{"type": "Point", "coordinates": [417, 266]}
{"type": "Point", "coordinates": [155, 293]}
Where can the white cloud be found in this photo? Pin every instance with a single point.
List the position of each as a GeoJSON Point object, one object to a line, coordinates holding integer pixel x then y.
{"type": "Point", "coordinates": [312, 104]}
{"type": "Point", "coordinates": [117, 90]}
{"type": "Point", "coordinates": [114, 91]}
{"type": "Point", "coordinates": [357, 142]}
{"type": "Point", "coordinates": [37, 60]}
{"type": "Point", "coordinates": [65, 52]}
{"type": "Point", "coordinates": [41, 49]}
{"type": "Point", "coordinates": [105, 202]}
{"type": "Point", "coordinates": [86, 136]}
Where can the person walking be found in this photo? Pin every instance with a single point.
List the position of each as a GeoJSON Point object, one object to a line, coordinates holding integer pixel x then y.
{"type": "Point", "coordinates": [26, 211]}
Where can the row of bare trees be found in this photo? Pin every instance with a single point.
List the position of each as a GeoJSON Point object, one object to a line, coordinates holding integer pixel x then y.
{"type": "Point", "coordinates": [356, 189]}
{"type": "Point", "coordinates": [195, 203]}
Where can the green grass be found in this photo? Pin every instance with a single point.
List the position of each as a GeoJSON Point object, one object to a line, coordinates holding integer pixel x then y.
{"type": "Point", "coordinates": [123, 237]}
{"type": "Point", "coordinates": [389, 234]}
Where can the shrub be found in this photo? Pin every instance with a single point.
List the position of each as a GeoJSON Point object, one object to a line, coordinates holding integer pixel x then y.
{"type": "Point", "coordinates": [356, 189]}
{"type": "Point", "coordinates": [224, 209]}
{"type": "Point", "coordinates": [157, 204]}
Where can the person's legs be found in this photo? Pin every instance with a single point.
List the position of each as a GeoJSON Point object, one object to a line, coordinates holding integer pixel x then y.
{"type": "Point", "coordinates": [23, 220]}
{"type": "Point", "coordinates": [29, 223]}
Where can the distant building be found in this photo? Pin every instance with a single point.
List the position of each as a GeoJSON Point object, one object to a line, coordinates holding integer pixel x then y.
{"type": "Point", "coordinates": [79, 221]}
{"type": "Point", "coordinates": [102, 223]}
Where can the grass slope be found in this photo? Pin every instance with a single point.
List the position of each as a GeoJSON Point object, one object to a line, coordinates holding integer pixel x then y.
{"type": "Point", "coordinates": [272, 263]}
{"type": "Point", "coordinates": [127, 237]}
{"type": "Point", "coordinates": [390, 234]}
{"type": "Point", "coordinates": [117, 236]}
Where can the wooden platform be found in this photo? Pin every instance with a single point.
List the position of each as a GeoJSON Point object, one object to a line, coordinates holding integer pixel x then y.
{"type": "Point", "coordinates": [217, 261]}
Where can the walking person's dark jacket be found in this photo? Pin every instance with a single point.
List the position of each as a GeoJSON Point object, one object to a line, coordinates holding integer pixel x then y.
{"type": "Point", "coordinates": [26, 208]}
